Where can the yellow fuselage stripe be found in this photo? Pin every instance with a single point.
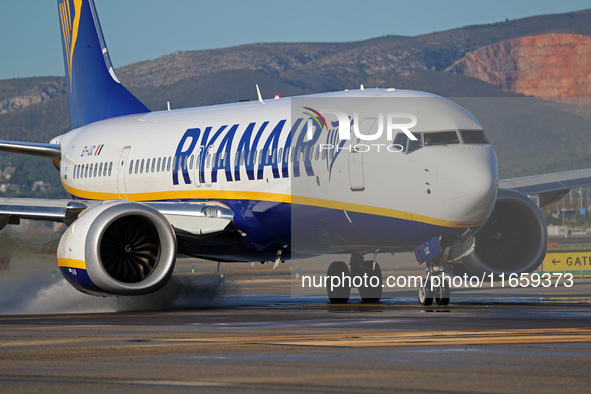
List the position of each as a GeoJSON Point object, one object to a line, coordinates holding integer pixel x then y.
{"type": "Point", "coordinates": [273, 197]}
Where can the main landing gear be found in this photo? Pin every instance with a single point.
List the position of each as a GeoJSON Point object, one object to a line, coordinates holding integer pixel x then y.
{"type": "Point", "coordinates": [365, 275]}
{"type": "Point", "coordinates": [435, 286]}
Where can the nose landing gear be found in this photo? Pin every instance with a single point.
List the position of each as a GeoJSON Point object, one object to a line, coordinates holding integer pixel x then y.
{"type": "Point", "coordinates": [436, 285]}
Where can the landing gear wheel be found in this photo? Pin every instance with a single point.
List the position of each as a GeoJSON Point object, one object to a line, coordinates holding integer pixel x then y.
{"type": "Point", "coordinates": [442, 294]}
{"type": "Point", "coordinates": [371, 293]}
{"type": "Point", "coordinates": [341, 294]}
{"type": "Point", "coordinates": [425, 293]}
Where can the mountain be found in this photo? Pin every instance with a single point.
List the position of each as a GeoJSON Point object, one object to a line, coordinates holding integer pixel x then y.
{"type": "Point", "coordinates": [547, 65]}
{"type": "Point", "coordinates": [471, 65]}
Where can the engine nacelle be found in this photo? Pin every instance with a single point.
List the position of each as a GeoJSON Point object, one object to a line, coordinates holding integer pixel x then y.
{"type": "Point", "coordinates": [513, 239]}
{"type": "Point", "coordinates": [118, 248]}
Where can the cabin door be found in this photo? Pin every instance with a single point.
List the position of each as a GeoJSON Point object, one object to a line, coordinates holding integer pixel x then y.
{"type": "Point", "coordinates": [121, 173]}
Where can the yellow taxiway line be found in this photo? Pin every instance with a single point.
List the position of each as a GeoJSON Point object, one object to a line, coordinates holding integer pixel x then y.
{"type": "Point", "coordinates": [437, 338]}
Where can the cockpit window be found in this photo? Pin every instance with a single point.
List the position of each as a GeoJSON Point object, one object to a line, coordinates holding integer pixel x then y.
{"type": "Point", "coordinates": [407, 145]}
{"type": "Point", "coordinates": [441, 138]}
{"type": "Point", "coordinates": [401, 141]}
{"type": "Point", "coordinates": [415, 145]}
{"type": "Point", "coordinates": [474, 137]}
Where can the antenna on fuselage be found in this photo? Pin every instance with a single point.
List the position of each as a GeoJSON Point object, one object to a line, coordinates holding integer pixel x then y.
{"type": "Point", "coordinates": [259, 94]}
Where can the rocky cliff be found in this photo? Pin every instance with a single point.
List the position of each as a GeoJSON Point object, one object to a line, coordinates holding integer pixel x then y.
{"type": "Point", "coordinates": [18, 94]}
{"type": "Point", "coordinates": [548, 65]}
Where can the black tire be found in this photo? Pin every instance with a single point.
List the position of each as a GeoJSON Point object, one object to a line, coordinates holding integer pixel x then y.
{"type": "Point", "coordinates": [425, 293]}
{"type": "Point", "coordinates": [442, 294]}
{"type": "Point", "coordinates": [341, 294]}
{"type": "Point", "coordinates": [370, 294]}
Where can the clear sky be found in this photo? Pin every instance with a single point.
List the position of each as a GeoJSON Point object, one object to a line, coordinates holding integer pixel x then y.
{"type": "Point", "coordinates": [138, 30]}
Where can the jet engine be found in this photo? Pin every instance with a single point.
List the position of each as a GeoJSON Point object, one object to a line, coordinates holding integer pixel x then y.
{"type": "Point", "coordinates": [513, 239]}
{"type": "Point", "coordinates": [118, 248]}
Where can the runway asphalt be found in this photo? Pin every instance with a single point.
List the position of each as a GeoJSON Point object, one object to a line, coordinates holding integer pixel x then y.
{"type": "Point", "coordinates": [250, 333]}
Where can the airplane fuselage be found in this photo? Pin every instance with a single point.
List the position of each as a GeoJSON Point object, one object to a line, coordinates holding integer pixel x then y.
{"type": "Point", "coordinates": [291, 182]}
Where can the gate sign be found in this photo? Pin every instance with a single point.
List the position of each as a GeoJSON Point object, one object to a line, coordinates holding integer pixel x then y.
{"type": "Point", "coordinates": [567, 261]}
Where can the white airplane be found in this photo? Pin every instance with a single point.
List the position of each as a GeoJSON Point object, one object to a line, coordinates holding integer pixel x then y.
{"type": "Point", "coordinates": [357, 172]}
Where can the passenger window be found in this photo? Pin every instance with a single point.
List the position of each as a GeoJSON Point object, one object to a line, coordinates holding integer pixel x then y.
{"type": "Point", "coordinates": [100, 171]}
{"type": "Point", "coordinates": [110, 168]}
{"type": "Point", "coordinates": [168, 165]}
{"type": "Point", "coordinates": [105, 170]}
{"type": "Point", "coordinates": [131, 166]}
{"type": "Point", "coordinates": [191, 162]}
{"type": "Point", "coordinates": [158, 164]}
{"type": "Point", "coordinates": [137, 165]}
{"type": "Point", "coordinates": [86, 172]}
{"type": "Point", "coordinates": [91, 170]}
{"type": "Point", "coordinates": [147, 166]}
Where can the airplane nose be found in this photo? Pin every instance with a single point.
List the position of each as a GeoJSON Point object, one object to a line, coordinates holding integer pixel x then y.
{"type": "Point", "coordinates": [468, 179]}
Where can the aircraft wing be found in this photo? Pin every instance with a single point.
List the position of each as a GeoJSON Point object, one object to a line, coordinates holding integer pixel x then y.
{"type": "Point", "coordinates": [187, 219]}
{"type": "Point", "coordinates": [549, 187]}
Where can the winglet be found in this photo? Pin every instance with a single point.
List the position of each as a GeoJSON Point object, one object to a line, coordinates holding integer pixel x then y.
{"type": "Point", "coordinates": [94, 92]}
